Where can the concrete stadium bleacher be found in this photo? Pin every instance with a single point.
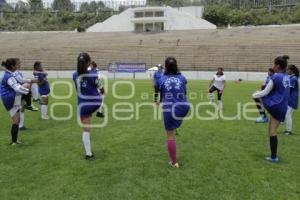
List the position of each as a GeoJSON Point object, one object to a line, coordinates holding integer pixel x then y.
{"type": "Point", "coordinates": [238, 49]}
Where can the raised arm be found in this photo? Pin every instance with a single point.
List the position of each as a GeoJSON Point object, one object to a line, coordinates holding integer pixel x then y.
{"type": "Point", "coordinates": [265, 92]}
{"type": "Point", "coordinates": [12, 82]}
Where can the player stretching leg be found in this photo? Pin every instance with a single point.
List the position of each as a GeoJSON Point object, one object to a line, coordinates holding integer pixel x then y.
{"type": "Point", "coordinates": [172, 86]}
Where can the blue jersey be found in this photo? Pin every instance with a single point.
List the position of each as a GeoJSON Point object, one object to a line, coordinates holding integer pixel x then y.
{"type": "Point", "coordinates": [157, 75]}
{"type": "Point", "coordinates": [95, 70]}
{"type": "Point", "coordinates": [88, 88]}
{"type": "Point", "coordinates": [175, 103]}
{"type": "Point", "coordinates": [7, 93]}
{"type": "Point", "coordinates": [173, 89]}
{"type": "Point", "coordinates": [89, 99]}
{"type": "Point", "coordinates": [44, 88]}
{"type": "Point", "coordinates": [276, 102]}
{"type": "Point", "coordinates": [294, 92]}
{"type": "Point", "coordinates": [267, 80]}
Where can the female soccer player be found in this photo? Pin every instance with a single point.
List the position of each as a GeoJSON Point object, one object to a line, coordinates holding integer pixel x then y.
{"type": "Point", "coordinates": [172, 86]}
{"type": "Point", "coordinates": [156, 77]}
{"type": "Point", "coordinates": [217, 84]}
{"type": "Point", "coordinates": [11, 94]}
{"type": "Point", "coordinates": [263, 116]}
{"type": "Point", "coordinates": [89, 98]}
{"type": "Point", "coordinates": [293, 71]}
{"type": "Point", "coordinates": [94, 68]}
{"type": "Point", "coordinates": [44, 89]}
{"type": "Point", "coordinates": [275, 99]}
{"type": "Point", "coordinates": [26, 99]}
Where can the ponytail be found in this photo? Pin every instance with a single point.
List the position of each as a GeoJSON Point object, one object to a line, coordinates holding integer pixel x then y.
{"type": "Point", "coordinates": [83, 61]}
{"type": "Point", "coordinates": [295, 70]}
{"type": "Point", "coordinates": [282, 61]}
{"type": "Point", "coordinates": [9, 63]}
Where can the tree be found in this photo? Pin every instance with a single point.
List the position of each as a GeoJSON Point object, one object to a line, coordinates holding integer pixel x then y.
{"type": "Point", "coordinates": [5, 6]}
{"type": "Point", "coordinates": [35, 5]}
{"type": "Point", "coordinates": [21, 6]}
{"type": "Point", "coordinates": [63, 5]}
{"type": "Point", "coordinates": [92, 6]}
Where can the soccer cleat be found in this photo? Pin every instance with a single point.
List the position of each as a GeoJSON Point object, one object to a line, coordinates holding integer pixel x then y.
{"type": "Point", "coordinates": [45, 117]}
{"type": "Point", "coordinates": [287, 133]}
{"type": "Point", "coordinates": [16, 143]}
{"type": "Point", "coordinates": [36, 100]}
{"type": "Point", "coordinates": [176, 165]}
{"type": "Point", "coordinates": [23, 128]}
{"type": "Point", "coordinates": [273, 160]}
{"type": "Point", "coordinates": [13, 144]}
{"type": "Point", "coordinates": [31, 108]}
{"type": "Point", "coordinates": [262, 120]}
{"type": "Point", "coordinates": [87, 157]}
{"type": "Point", "coordinates": [100, 115]}
{"type": "Point", "coordinates": [34, 109]}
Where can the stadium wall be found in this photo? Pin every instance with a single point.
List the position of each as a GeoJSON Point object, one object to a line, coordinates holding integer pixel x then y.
{"type": "Point", "coordinates": [190, 75]}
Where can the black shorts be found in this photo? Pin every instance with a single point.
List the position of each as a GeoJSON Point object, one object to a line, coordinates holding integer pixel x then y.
{"type": "Point", "coordinates": [213, 89]}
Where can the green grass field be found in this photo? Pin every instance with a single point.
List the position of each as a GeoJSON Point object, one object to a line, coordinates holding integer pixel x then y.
{"type": "Point", "coordinates": [219, 159]}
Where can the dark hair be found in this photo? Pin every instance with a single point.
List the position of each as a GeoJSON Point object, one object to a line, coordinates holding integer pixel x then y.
{"type": "Point", "coordinates": [171, 66]}
{"type": "Point", "coordinates": [36, 65]}
{"type": "Point", "coordinates": [282, 61]}
{"type": "Point", "coordinates": [220, 71]}
{"type": "Point", "coordinates": [271, 70]}
{"type": "Point", "coordinates": [94, 64]}
{"type": "Point", "coordinates": [9, 63]}
{"type": "Point", "coordinates": [82, 63]}
{"type": "Point", "coordinates": [286, 57]}
{"type": "Point", "coordinates": [294, 69]}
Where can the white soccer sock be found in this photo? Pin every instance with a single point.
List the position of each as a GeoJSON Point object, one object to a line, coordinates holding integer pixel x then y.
{"type": "Point", "coordinates": [87, 143]}
{"type": "Point", "coordinates": [35, 91]}
{"type": "Point", "coordinates": [220, 104]}
{"type": "Point", "coordinates": [211, 97]}
{"type": "Point", "coordinates": [44, 110]}
{"type": "Point", "coordinates": [100, 109]}
{"type": "Point", "coordinates": [289, 119]}
{"type": "Point", "coordinates": [22, 116]}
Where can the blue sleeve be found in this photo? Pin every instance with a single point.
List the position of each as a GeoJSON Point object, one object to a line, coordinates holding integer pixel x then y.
{"type": "Point", "coordinates": [93, 77]}
{"type": "Point", "coordinates": [74, 79]}
{"type": "Point", "coordinates": [160, 83]}
{"type": "Point", "coordinates": [293, 82]}
{"type": "Point", "coordinates": [184, 79]}
{"type": "Point", "coordinates": [41, 77]}
{"type": "Point", "coordinates": [274, 78]}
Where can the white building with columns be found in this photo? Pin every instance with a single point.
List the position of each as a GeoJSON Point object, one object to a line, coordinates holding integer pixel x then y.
{"type": "Point", "coordinates": [154, 19]}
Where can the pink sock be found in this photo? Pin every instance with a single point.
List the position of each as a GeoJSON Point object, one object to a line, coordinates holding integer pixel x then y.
{"type": "Point", "coordinates": [172, 150]}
